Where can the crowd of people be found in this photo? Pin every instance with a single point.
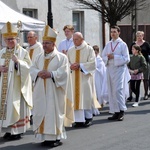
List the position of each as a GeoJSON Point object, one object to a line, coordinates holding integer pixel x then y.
{"type": "Point", "coordinates": [52, 88]}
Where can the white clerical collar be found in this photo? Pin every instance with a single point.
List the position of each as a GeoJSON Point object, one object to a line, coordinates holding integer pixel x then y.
{"type": "Point", "coordinates": [47, 55]}
{"type": "Point", "coordinates": [81, 46]}
{"type": "Point", "coordinates": [51, 54]}
{"type": "Point", "coordinates": [116, 40]}
{"type": "Point", "coordinates": [33, 46]}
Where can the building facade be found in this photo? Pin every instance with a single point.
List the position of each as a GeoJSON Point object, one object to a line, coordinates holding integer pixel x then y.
{"type": "Point", "coordinates": [140, 22]}
{"type": "Point", "coordinates": [64, 12]}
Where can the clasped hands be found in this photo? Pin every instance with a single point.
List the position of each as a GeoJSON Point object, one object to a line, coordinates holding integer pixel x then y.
{"type": "Point", "coordinates": [64, 51]}
{"type": "Point", "coordinates": [110, 56]}
{"type": "Point", "coordinates": [75, 66]}
{"type": "Point", "coordinates": [44, 74]}
{"type": "Point", "coordinates": [3, 68]}
{"type": "Point", "coordinates": [134, 71]}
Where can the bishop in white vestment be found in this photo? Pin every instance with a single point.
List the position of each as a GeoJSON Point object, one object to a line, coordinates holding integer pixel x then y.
{"type": "Point", "coordinates": [50, 74]}
{"type": "Point", "coordinates": [15, 86]}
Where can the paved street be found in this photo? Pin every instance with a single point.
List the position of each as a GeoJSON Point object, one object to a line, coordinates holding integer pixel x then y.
{"type": "Point", "coordinates": [131, 134]}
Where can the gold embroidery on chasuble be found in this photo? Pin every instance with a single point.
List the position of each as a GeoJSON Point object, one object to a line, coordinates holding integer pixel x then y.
{"type": "Point", "coordinates": [77, 82]}
{"type": "Point", "coordinates": [58, 131]}
{"type": "Point", "coordinates": [31, 53]}
{"type": "Point", "coordinates": [7, 56]}
{"type": "Point", "coordinates": [41, 128]}
{"type": "Point", "coordinates": [46, 63]}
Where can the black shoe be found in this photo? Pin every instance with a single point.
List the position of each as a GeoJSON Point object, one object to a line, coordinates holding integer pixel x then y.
{"type": "Point", "coordinates": [6, 135]}
{"type": "Point", "coordinates": [78, 124]}
{"type": "Point", "coordinates": [121, 116]}
{"type": "Point", "coordinates": [129, 99]}
{"type": "Point", "coordinates": [114, 117]}
{"type": "Point", "coordinates": [56, 143]}
{"type": "Point", "coordinates": [88, 122]}
{"type": "Point", "coordinates": [51, 143]}
{"type": "Point", "coordinates": [47, 143]}
{"type": "Point", "coordinates": [31, 120]}
{"type": "Point", "coordinates": [15, 137]}
{"type": "Point", "coordinates": [44, 143]}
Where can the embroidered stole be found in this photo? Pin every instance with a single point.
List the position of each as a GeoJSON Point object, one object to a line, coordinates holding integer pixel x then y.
{"type": "Point", "coordinates": [77, 83]}
{"type": "Point", "coordinates": [7, 56]}
{"type": "Point", "coordinates": [46, 63]}
{"type": "Point", "coordinates": [31, 53]}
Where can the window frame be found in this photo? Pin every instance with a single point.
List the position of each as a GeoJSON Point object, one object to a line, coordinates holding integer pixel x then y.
{"type": "Point", "coordinates": [81, 21]}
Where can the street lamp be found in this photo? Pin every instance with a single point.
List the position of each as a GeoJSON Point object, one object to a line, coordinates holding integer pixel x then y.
{"type": "Point", "coordinates": [50, 15]}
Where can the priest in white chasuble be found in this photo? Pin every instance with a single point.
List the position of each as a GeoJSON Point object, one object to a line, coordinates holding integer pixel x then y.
{"type": "Point", "coordinates": [34, 48]}
{"type": "Point", "coordinates": [82, 65]}
{"type": "Point", "coordinates": [15, 86]}
{"type": "Point", "coordinates": [50, 75]}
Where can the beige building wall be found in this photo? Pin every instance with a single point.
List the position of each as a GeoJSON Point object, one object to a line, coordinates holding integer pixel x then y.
{"type": "Point", "coordinates": [62, 14]}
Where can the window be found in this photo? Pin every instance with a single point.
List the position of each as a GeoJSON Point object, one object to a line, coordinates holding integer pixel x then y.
{"type": "Point", "coordinates": [32, 13]}
{"type": "Point", "coordinates": [78, 21]}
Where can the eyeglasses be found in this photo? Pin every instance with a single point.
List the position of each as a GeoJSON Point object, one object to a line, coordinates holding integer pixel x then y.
{"type": "Point", "coordinates": [10, 39]}
{"type": "Point", "coordinates": [46, 43]}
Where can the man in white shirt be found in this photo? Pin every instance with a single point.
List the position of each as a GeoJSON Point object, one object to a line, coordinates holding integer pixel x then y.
{"type": "Point", "coordinates": [67, 43]}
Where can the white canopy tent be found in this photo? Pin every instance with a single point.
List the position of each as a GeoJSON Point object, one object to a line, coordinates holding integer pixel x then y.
{"type": "Point", "coordinates": [28, 23]}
